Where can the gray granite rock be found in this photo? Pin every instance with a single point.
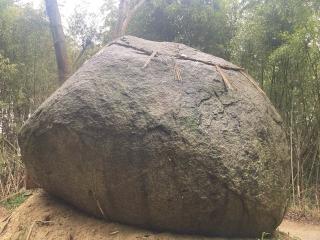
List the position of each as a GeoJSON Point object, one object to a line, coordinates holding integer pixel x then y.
{"type": "Point", "coordinates": [162, 136]}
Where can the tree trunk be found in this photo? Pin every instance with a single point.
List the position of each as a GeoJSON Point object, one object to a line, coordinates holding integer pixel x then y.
{"type": "Point", "coordinates": [291, 154]}
{"type": "Point", "coordinates": [125, 16]}
{"type": "Point", "coordinates": [123, 8]}
{"type": "Point", "coordinates": [58, 39]}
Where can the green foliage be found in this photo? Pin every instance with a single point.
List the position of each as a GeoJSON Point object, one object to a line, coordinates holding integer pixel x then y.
{"type": "Point", "coordinates": [82, 26]}
{"type": "Point", "coordinates": [278, 42]}
{"type": "Point", "coordinates": [7, 72]}
{"type": "Point", "coordinates": [84, 35]}
{"type": "Point", "coordinates": [15, 201]}
{"type": "Point", "coordinates": [27, 64]}
{"type": "Point", "coordinates": [201, 24]}
{"type": "Point", "coordinates": [110, 15]}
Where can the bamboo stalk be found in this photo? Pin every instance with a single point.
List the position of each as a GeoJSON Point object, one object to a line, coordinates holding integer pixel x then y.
{"type": "Point", "coordinates": [224, 78]}
{"type": "Point", "coordinates": [149, 59]}
{"type": "Point", "coordinates": [298, 172]}
{"type": "Point", "coordinates": [253, 82]}
{"type": "Point", "coordinates": [291, 155]}
{"type": "Point", "coordinates": [317, 176]}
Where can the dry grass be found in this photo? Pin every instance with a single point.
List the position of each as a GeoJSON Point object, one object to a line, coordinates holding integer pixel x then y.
{"type": "Point", "coordinates": [11, 173]}
{"type": "Point", "coordinates": [306, 207]}
{"type": "Point", "coordinates": [304, 212]}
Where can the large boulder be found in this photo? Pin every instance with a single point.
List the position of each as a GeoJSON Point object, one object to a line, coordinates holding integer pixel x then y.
{"type": "Point", "coordinates": [165, 137]}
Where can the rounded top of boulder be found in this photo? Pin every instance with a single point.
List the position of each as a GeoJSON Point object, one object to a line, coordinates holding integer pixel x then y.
{"type": "Point", "coordinates": [171, 49]}
{"type": "Point", "coordinates": [162, 136]}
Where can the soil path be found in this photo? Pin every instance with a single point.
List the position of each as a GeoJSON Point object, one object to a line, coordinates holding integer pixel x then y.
{"type": "Point", "coordinates": [303, 231]}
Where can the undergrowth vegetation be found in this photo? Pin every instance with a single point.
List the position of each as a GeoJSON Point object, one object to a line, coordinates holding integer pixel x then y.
{"type": "Point", "coordinates": [11, 172]}
{"type": "Point", "coordinates": [14, 201]}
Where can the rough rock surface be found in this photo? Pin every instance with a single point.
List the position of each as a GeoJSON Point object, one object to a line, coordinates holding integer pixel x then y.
{"type": "Point", "coordinates": [165, 137]}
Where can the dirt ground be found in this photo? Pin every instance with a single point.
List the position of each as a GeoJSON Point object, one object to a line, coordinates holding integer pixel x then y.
{"type": "Point", "coordinates": [3, 212]}
{"type": "Point", "coordinates": [301, 230]}
{"type": "Point", "coordinates": [43, 217]}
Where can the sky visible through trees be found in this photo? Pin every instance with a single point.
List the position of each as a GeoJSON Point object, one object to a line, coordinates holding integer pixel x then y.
{"type": "Point", "coordinates": [67, 6]}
